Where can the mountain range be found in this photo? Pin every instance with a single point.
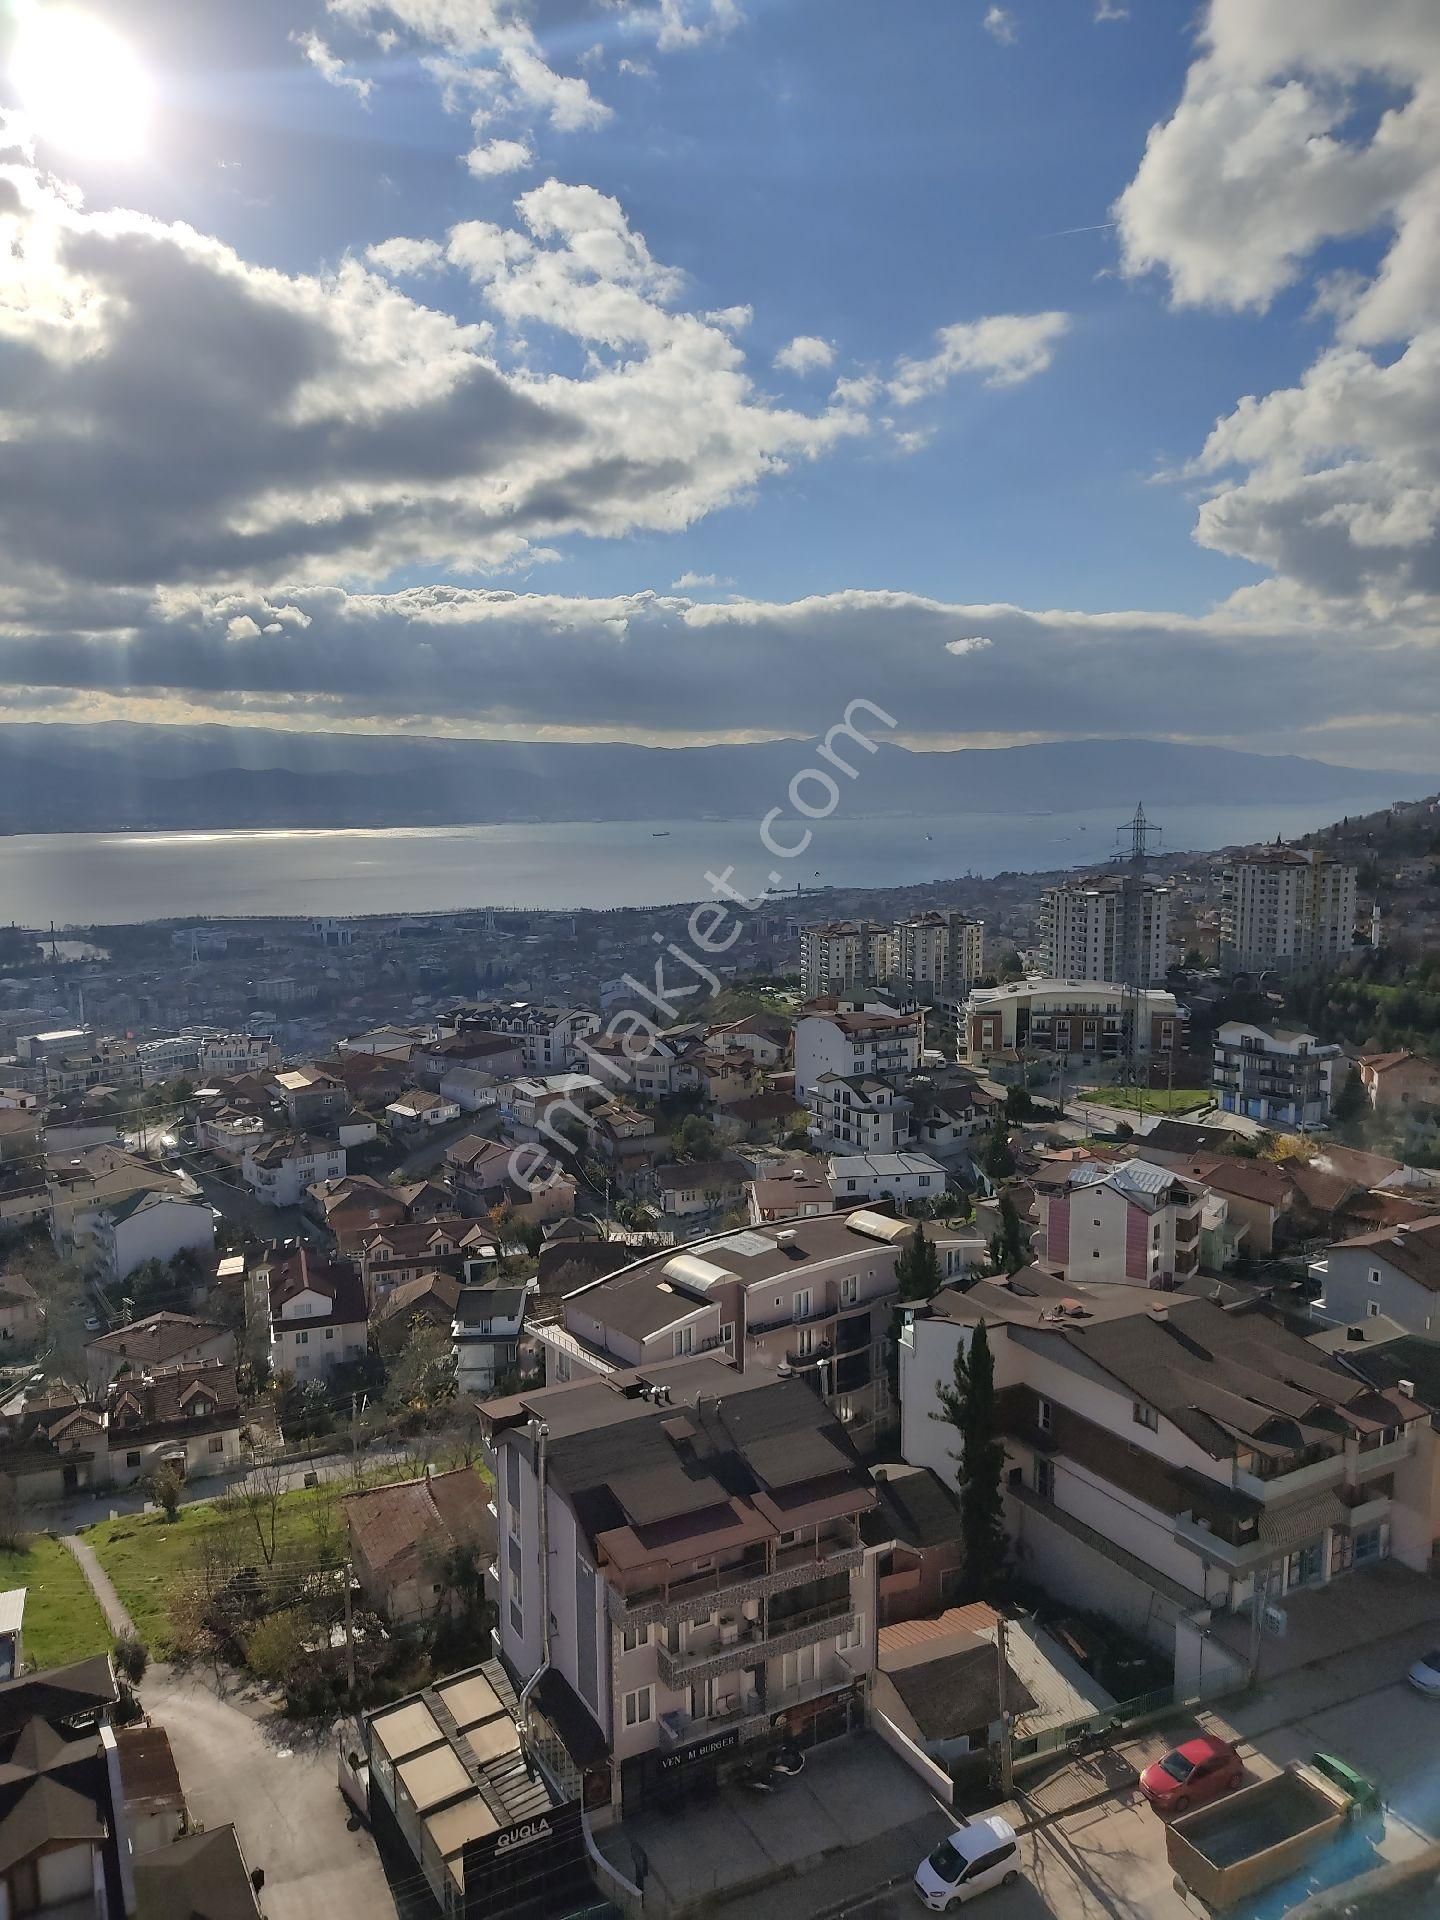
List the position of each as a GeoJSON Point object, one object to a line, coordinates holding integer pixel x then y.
{"type": "Point", "coordinates": [120, 775]}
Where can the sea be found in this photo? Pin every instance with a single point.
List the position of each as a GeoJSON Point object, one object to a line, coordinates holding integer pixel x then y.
{"type": "Point", "coordinates": [83, 880]}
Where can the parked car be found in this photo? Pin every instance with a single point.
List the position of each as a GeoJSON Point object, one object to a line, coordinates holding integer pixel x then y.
{"type": "Point", "coordinates": [1424, 1676]}
{"type": "Point", "coordinates": [1196, 1771]}
{"type": "Point", "coordinates": [978, 1856]}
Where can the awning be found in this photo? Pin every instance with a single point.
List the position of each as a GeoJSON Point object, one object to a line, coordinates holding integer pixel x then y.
{"type": "Point", "coordinates": [1289, 1527]}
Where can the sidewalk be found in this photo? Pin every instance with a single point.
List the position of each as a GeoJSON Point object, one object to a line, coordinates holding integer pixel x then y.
{"type": "Point", "coordinates": [120, 1623]}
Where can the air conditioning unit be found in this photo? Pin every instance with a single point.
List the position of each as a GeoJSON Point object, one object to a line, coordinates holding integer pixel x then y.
{"type": "Point", "coordinates": [726, 1702]}
{"type": "Point", "coordinates": [729, 1630]}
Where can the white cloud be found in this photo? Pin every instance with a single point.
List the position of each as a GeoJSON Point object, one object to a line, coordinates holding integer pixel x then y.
{"type": "Point", "coordinates": [330, 66]}
{"type": "Point", "coordinates": [1275, 150]}
{"type": "Point", "coordinates": [1000, 25]}
{"type": "Point", "coordinates": [1108, 10]}
{"type": "Point", "coordinates": [690, 580]}
{"type": "Point", "coordinates": [806, 353]}
{"type": "Point", "coordinates": [1007, 348]}
{"type": "Point", "coordinates": [402, 256]}
{"type": "Point", "coordinates": [677, 24]}
{"type": "Point", "coordinates": [639, 69]}
{"type": "Point", "coordinates": [499, 156]}
{"type": "Point", "coordinates": [242, 422]}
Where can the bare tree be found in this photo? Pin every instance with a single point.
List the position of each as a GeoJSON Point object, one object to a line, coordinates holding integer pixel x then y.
{"type": "Point", "coordinates": [258, 1498]}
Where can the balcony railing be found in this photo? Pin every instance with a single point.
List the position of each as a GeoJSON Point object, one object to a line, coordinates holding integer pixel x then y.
{"type": "Point", "coordinates": [823, 1311]}
{"type": "Point", "coordinates": [755, 1644]}
{"type": "Point", "coordinates": [1283, 1483]}
{"type": "Point", "coordinates": [1363, 1464]}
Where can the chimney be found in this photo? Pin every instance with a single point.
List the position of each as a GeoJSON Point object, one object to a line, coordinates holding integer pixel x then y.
{"type": "Point", "coordinates": [1407, 1387]}
{"type": "Point", "coordinates": [1160, 1313]}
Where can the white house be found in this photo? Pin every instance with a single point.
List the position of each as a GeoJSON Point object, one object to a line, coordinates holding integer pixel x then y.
{"type": "Point", "coordinates": [1123, 1221]}
{"type": "Point", "coordinates": [149, 1226]}
{"type": "Point", "coordinates": [489, 1320]}
{"type": "Point", "coordinates": [225, 1054]}
{"type": "Point", "coordinates": [858, 1113]}
{"type": "Point", "coordinates": [418, 1109]}
{"type": "Point", "coordinates": [851, 1040]}
{"type": "Point", "coordinates": [315, 1310]}
{"type": "Point", "coordinates": [279, 1172]}
{"type": "Point", "coordinates": [878, 1176]}
{"type": "Point", "coordinates": [1281, 1077]}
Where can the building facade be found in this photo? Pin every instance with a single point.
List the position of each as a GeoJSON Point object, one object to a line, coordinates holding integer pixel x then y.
{"type": "Point", "coordinates": [1084, 933]}
{"type": "Point", "coordinates": [1271, 1074]}
{"type": "Point", "coordinates": [1283, 909]}
{"type": "Point", "coordinates": [1082, 1020]}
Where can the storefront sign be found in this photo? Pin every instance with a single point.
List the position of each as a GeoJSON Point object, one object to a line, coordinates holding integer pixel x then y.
{"type": "Point", "coordinates": [700, 1750]}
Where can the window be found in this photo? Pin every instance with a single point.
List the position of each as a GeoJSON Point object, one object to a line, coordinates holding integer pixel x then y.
{"type": "Point", "coordinates": [805, 1343]}
{"type": "Point", "coordinates": [1044, 1413]}
{"type": "Point", "coordinates": [1045, 1479]}
{"type": "Point", "coordinates": [853, 1637]}
{"type": "Point", "coordinates": [803, 1303]}
{"type": "Point", "coordinates": [1368, 1545]}
{"type": "Point", "coordinates": [1374, 1276]}
{"type": "Point", "coordinates": [1145, 1416]}
{"type": "Point", "coordinates": [727, 1334]}
{"type": "Point", "coordinates": [302, 1339]}
{"type": "Point", "coordinates": [1094, 1253]}
{"type": "Point", "coordinates": [634, 1637]}
{"type": "Point", "coordinates": [684, 1340]}
{"type": "Point", "coordinates": [329, 1333]}
{"type": "Point", "coordinates": [849, 1290]}
{"type": "Point", "coordinates": [1372, 1309]}
{"type": "Point", "coordinates": [217, 1443]}
{"type": "Point", "coordinates": [132, 1459]}
{"type": "Point", "coordinates": [637, 1707]}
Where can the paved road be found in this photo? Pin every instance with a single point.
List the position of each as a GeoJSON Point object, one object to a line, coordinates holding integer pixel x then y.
{"type": "Point", "coordinates": [239, 1761]}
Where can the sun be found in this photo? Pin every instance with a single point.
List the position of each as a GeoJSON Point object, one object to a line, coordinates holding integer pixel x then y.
{"type": "Point", "coordinates": [79, 84]}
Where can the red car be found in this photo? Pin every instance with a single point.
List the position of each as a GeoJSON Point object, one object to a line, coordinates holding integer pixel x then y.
{"type": "Point", "coordinates": [1199, 1770]}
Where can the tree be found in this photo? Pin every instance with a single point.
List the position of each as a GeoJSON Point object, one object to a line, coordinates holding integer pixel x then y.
{"type": "Point", "coordinates": [1008, 1246]}
{"type": "Point", "coordinates": [917, 1271]}
{"type": "Point", "coordinates": [167, 1483]}
{"type": "Point", "coordinates": [968, 1405]}
{"type": "Point", "coordinates": [132, 1657]}
{"type": "Point", "coordinates": [423, 1376]}
{"type": "Point", "coordinates": [1352, 1102]}
{"type": "Point", "coordinates": [998, 1161]}
{"type": "Point", "coordinates": [694, 1138]}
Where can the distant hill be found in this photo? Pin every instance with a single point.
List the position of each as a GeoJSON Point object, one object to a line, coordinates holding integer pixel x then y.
{"type": "Point", "coordinates": [119, 775]}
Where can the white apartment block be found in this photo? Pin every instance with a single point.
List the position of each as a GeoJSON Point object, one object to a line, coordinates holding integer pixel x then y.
{"type": "Point", "coordinates": [1084, 932]}
{"type": "Point", "coordinates": [700, 1566]}
{"type": "Point", "coordinates": [171, 1058]}
{"type": "Point", "coordinates": [549, 1037]}
{"type": "Point", "coordinates": [1161, 1452]}
{"type": "Point", "coordinates": [1282, 909]}
{"type": "Point", "coordinates": [853, 1040]}
{"type": "Point", "coordinates": [885, 1176]}
{"type": "Point", "coordinates": [842, 956]}
{"type": "Point", "coordinates": [279, 1172]}
{"type": "Point", "coordinates": [226, 1054]}
{"type": "Point", "coordinates": [858, 1113]}
{"type": "Point", "coordinates": [1271, 1074]}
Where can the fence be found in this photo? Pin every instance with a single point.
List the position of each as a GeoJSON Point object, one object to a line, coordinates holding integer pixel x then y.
{"type": "Point", "coordinates": [1057, 1734]}
{"type": "Point", "coordinates": [930, 1771]}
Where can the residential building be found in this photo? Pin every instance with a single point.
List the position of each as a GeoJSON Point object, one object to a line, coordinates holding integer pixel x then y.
{"type": "Point", "coordinates": [860, 1111]}
{"type": "Point", "coordinates": [1281, 1077]}
{"type": "Point", "coordinates": [176, 1057]}
{"type": "Point", "coordinates": [945, 1116]}
{"type": "Point", "coordinates": [689, 1187]}
{"type": "Point", "coordinates": [312, 1096]}
{"type": "Point", "coordinates": [1399, 1079]}
{"type": "Point", "coordinates": [535, 1108]}
{"type": "Point", "coordinates": [483, 1172]}
{"type": "Point", "coordinates": [21, 1315]}
{"type": "Point", "coordinates": [766, 1040]}
{"type": "Point", "coordinates": [489, 1321]}
{"type": "Point", "coordinates": [1163, 1454]}
{"type": "Point", "coordinates": [1283, 909]}
{"type": "Point", "coordinates": [66, 1851]}
{"type": "Point", "coordinates": [849, 1039]}
{"type": "Point", "coordinates": [430, 1297]}
{"type": "Point", "coordinates": [804, 1296]}
{"type": "Point", "coordinates": [913, 1534]}
{"type": "Point", "coordinates": [85, 1183]}
{"type": "Point", "coordinates": [402, 1538]}
{"type": "Point", "coordinates": [223, 1054]}
{"type": "Point", "coordinates": [550, 1037]}
{"type": "Point", "coordinates": [1125, 1222]}
{"type": "Point", "coordinates": [155, 1810]}
{"type": "Point", "coordinates": [1082, 1020]}
{"type": "Point", "coordinates": [352, 1206]}
{"type": "Point", "coordinates": [185, 1417]}
{"type": "Point", "coordinates": [496, 1056]}
{"type": "Point", "coordinates": [280, 1172]}
{"type": "Point", "coordinates": [418, 1109]}
{"type": "Point", "coordinates": [392, 1256]}
{"type": "Point", "coordinates": [1394, 1273]}
{"type": "Point", "coordinates": [149, 1226]}
{"type": "Point", "coordinates": [200, 1873]}
{"type": "Point", "coordinates": [901, 1177]}
{"type": "Point", "coordinates": [159, 1341]}
{"type": "Point", "coordinates": [705, 1580]}
{"type": "Point", "coordinates": [1087, 931]}
{"type": "Point", "coordinates": [794, 1186]}
{"type": "Point", "coordinates": [933, 956]}
{"type": "Point", "coordinates": [314, 1311]}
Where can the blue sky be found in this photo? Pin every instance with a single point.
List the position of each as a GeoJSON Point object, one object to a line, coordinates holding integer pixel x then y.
{"type": "Point", "coordinates": [1184, 450]}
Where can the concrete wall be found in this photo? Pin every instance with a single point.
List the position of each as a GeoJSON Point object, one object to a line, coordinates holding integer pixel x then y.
{"type": "Point", "coordinates": [1063, 1565]}
{"type": "Point", "coordinates": [1203, 1667]}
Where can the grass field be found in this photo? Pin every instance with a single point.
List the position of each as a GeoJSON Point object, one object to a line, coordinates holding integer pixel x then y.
{"type": "Point", "coordinates": [1148, 1099]}
{"type": "Point", "coordinates": [148, 1556]}
{"type": "Point", "coordinates": [63, 1621]}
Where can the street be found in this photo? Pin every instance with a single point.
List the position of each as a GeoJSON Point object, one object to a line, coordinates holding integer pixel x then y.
{"type": "Point", "coordinates": [239, 1762]}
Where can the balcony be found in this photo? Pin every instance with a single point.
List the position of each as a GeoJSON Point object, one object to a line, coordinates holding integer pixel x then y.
{"type": "Point", "coordinates": [710, 1654]}
{"type": "Point", "coordinates": [680, 1729]}
{"type": "Point", "coordinates": [756, 1574]}
{"type": "Point", "coordinates": [812, 1356]}
{"type": "Point", "coordinates": [812, 1318]}
{"type": "Point", "coordinates": [1373, 1460]}
{"type": "Point", "coordinates": [1236, 1557]}
{"type": "Point", "coordinates": [1311, 1477]}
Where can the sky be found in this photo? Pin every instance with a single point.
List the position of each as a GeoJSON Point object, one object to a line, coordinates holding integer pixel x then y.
{"type": "Point", "coordinates": [678, 370]}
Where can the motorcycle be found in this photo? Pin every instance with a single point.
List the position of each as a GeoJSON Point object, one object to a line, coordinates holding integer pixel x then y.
{"type": "Point", "coordinates": [1095, 1740]}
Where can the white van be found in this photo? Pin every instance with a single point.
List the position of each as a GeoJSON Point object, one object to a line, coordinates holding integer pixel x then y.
{"type": "Point", "coordinates": [981, 1855]}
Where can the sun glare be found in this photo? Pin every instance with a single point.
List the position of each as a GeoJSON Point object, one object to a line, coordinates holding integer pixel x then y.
{"type": "Point", "coordinates": [79, 85]}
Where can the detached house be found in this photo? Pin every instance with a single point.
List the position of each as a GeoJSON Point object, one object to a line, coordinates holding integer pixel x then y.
{"type": "Point", "coordinates": [149, 1226]}
{"type": "Point", "coordinates": [185, 1417]}
{"type": "Point", "coordinates": [316, 1313]}
{"type": "Point", "coordinates": [159, 1340]}
{"type": "Point", "coordinates": [1127, 1222]}
{"type": "Point", "coordinates": [401, 1537]}
{"type": "Point", "coordinates": [280, 1172]}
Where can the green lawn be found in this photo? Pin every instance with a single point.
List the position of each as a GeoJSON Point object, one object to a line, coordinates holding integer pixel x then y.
{"type": "Point", "coordinates": [1148, 1099]}
{"type": "Point", "coordinates": [63, 1621]}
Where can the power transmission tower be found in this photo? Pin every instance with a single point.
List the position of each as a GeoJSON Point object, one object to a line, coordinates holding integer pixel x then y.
{"type": "Point", "coordinates": [1133, 862]}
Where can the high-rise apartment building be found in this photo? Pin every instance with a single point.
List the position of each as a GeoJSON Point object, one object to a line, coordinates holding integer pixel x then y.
{"type": "Point", "coordinates": [931, 956]}
{"type": "Point", "coordinates": [1083, 931]}
{"type": "Point", "coordinates": [1281, 908]}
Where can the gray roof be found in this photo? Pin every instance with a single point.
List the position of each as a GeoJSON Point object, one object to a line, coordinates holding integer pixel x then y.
{"type": "Point", "coordinates": [958, 1693]}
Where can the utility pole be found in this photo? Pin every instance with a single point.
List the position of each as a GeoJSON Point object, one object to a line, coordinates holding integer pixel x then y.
{"type": "Point", "coordinates": [1257, 1619]}
{"type": "Point", "coordinates": [1002, 1679]}
{"type": "Point", "coordinates": [1134, 965]}
{"type": "Point", "coordinates": [349, 1637]}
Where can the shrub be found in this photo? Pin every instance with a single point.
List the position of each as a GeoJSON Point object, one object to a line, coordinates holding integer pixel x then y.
{"type": "Point", "coordinates": [132, 1657]}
